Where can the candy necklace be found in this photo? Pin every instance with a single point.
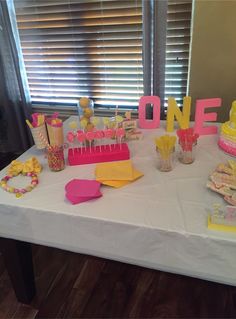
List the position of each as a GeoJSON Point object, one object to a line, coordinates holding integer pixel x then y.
{"type": "Point", "coordinates": [19, 191]}
{"type": "Point", "coordinates": [30, 168]}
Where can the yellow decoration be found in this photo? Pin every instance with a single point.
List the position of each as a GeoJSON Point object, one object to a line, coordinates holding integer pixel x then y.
{"type": "Point", "coordinates": [83, 123]}
{"type": "Point", "coordinates": [89, 127]}
{"type": "Point", "coordinates": [128, 115]}
{"type": "Point", "coordinates": [118, 118]}
{"type": "Point", "coordinates": [95, 121]}
{"type": "Point", "coordinates": [118, 184]}
{"type": "Point", "coordinates": [31, 165]}
{"type": "Point", "coordinates": [232, 115]}
{"type": "Point", "coordinates": [84, 102]}
{"type": "Point", "coordinates": [73, 125]}
{"type": "Point", "coordinates": [173, 112]}
{"type": "Point", "coordinates": [114, 171]}
{"type": "Point", "coordinates": [106, 121]}
{"type": "Point", "coordinates": [165, 145]}
{"type": "Point", "coordinates": [88, 112]}
{"type": "Point", "coordinates": [224, 228]}
{"type": "Point", "coordinates": [116, 174]}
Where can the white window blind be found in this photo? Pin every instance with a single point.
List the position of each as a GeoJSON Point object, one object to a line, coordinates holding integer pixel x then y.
{"type": "Point", "coordinates": [177, 49]}
{"type": "Point", "coordinates": [82, 48]}
{"type": "Point", "coordinates": [75, 48]}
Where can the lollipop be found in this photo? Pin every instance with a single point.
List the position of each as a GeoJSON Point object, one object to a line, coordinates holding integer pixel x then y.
{"type": "Point", "coordinates": [106, 121]}
{"type": "Point", "coordinates": [120, 132]}
{"type": "Point", "coordinates": [88, 112]}
{"type": "Point", "coordinates": [73, 125]}
{"type": "Point", "coordinates": [109, 134]}
{"type": "Point", "coordinates": [84, 102]}
{"type": "Point", "coordinates": [83, 123]}
{"type": "Point", "coordinates": [95, 121]}
{"type": "Point", "coordinates": [70, 138]}
{"type": "Point", "coordinates": [90, 137]}
{"type": "Point", "coordinates": [81, 137]}
{"type": "Point", "coordinates": [99, 135]}
{"type": "Point", "coordinates": [118, 120]}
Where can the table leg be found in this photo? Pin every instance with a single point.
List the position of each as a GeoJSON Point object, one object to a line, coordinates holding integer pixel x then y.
{"type": "Point", "coordinates": [19, 264]}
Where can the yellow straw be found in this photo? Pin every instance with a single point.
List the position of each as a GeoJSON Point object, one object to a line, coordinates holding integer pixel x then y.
{"type": "Point", "coordinates": [165, 145]}
{"type": "Point", "coordinates": [29, 124]}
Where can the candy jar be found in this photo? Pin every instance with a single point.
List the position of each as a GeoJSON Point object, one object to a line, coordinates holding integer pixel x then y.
{"type": "Point", "coordinates": [55, 156]}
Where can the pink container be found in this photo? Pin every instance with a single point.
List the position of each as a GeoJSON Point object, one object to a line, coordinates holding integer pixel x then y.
{"type": "Point", "coordinates": [95, 154]}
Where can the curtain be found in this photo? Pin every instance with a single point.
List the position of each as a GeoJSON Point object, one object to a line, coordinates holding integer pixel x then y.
{"type": "Point", "coordinates": [15, 104]}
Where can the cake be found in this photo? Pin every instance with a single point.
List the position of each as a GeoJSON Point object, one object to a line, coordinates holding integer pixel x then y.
{"type": "Point", "coordinates": [227, 139]}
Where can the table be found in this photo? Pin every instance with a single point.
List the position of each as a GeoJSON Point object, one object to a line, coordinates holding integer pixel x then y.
{"type": "Point", "coordinates": [159, 221]}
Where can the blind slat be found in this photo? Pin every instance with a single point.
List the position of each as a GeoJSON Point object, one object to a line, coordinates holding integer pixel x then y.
{"type": "Point", "coordinates": [75, 48]}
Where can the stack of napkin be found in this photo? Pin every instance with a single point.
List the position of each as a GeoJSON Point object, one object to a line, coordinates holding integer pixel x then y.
{"type": "Point", "coordinates": [82, 190]}
{"type": "Point", "coordinates": [116, 174]}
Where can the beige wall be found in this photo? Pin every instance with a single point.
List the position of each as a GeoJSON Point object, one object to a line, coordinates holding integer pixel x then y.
{"type": "Point", "coordinates": [213, 55]}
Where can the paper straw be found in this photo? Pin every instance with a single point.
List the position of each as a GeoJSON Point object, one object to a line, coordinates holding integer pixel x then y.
{"type": "Point", "coordinates": [44, 140]}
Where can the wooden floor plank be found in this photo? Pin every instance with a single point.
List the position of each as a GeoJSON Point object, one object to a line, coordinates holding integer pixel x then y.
{"type": "Point", "coordinates": [82, 289]}
{"type": "Point", "coordinates": [62, 286]}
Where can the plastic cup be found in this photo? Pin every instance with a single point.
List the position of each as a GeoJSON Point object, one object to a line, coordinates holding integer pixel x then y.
{"type": "Point", "coordinates": [39, 142]}
{"type": "Point", "coordinates": [165, 163]}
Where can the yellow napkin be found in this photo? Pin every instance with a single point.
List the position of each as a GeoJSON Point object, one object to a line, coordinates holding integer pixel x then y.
{"type": "Point", "coordinates": [116, 174]}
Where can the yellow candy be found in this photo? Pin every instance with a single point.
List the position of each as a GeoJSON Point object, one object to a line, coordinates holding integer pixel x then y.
{"type": "Point", "coordinates": [106, 121]}
{"type": "Point", "coordinates": [118, 119]}
{"type": "Point", "coordinates": [89, 127]}
{"type": "Point", "coordinates": [95, 121]}
{"type": "Point", "coordinates": [88, 112]}
{"type": "Point", "coordinates": [18, 195]}
{"type": "Point", "coordinates": [73, 125]}
{"type": "Point", "coordinates": [83, 123]}
{"type": "Point", "coordinates": [84, 102]}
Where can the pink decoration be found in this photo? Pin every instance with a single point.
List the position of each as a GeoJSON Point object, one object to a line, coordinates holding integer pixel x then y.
{"type": "Point", "coordinates": [201, 116]}
{"type": "Point", "coordinates": [120, 132]}
{"type": "Point", "coordinates": [99, 134]}
{"type": "Point", "coordinates": [81, 190]}
{"type": "Point", "coordinates": [119, 152]}
{"type": "Point", "coordinates": [81, 137]}
{"type": "Point", "coordinates": [90, 135]}
{"type": "Point", "coordinates": [155, 122]}
{"type": "Point", "coordinates": [70, 137]}
{"type": "Point", "coordinates": [187, 138]}
{"type": "Point", "coordinates": [109, 133]}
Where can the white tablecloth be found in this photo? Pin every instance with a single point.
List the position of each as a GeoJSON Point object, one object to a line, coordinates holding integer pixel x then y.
{"type": "Point", "coordinates": [159, 221]}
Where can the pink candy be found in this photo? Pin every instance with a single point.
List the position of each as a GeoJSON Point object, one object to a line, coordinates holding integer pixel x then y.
{"type": "Point", "coordinates": [70, 137]}
{"type": "Point", "coordinates": [120, 132]}
{"type": "Point", "coordinates": [90, 135]}
{"type": "Point", "coordinates": [99, 134]}
{"type": "Point", "coordinates": [81, 137]}
{"type": "Point", "coordinates": [108, 133]}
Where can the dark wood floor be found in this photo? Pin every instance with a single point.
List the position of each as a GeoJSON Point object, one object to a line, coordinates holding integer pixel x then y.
{"type": "Point", "coordinates": [76, 286]}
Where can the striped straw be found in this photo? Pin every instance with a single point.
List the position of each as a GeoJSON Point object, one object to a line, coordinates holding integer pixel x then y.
{"type": "Point", "coordinates": [44, 140]}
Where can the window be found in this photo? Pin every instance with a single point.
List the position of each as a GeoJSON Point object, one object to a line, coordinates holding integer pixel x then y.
{"type": "Point", "coordinates": [177, 49]}
{"type": "Point", "coordinates": [82, 48]}
{"type": "Point", "coordinates": [75, 48]}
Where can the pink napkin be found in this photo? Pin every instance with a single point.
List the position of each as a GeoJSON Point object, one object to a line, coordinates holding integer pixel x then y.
{"type": "Point", "coordinates": [82, 190]}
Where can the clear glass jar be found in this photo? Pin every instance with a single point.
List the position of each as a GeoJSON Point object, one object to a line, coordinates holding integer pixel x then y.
{"type": "Point", "coordinates": [56, 160]}
{"type": "Point", "coordinates": [187, 153]}
{"type": "Point", "coordinates": [165, 163]}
